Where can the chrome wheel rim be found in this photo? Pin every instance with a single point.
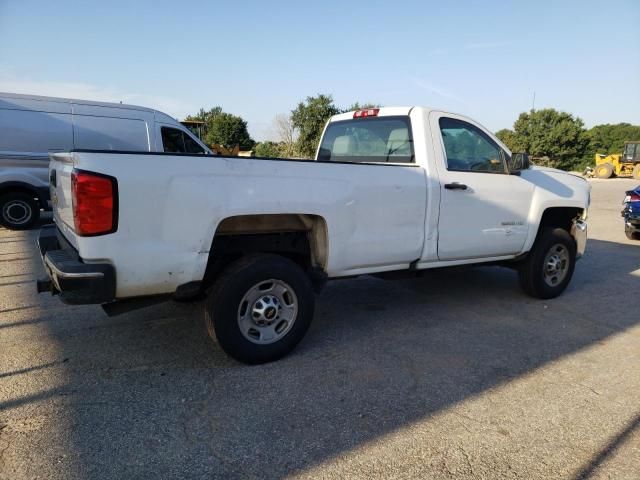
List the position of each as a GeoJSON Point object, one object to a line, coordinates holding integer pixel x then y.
{"type": "Point", "coordinates": [267, 311]}
{"type": "Point", "coordinates": [556, 265]}
{"type": "Point", "coordinates": [17, 212]}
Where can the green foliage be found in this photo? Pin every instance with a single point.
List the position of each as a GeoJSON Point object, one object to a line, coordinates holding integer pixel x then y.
{"type": "Point", "coordinates": [358, 106]}
{"type": "Point", "coordinates": [559, 136]}
{"type": "Point", "coordinates": [607, 139]}
{"type": "Point", "coordinates": [229, 130]}
{"type": "Point", "coordinates": [309, 119]}
{"type": "Point", "coordinates": [205, 115]}
{"type": "Point", "coordinates": [223, 128]}
{"type": "Point", "coordinates": [510, 139]}
{"type": "Point", "coordinates": [558, 139]}
{"type": "Point", "coordinates": [268, 149]}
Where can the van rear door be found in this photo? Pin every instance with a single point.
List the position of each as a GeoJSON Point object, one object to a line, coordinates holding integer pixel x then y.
{"type": "Point", "coordinates": [29, 130]}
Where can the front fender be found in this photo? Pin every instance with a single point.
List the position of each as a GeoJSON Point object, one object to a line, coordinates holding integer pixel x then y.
{"type": "Point", "coordinates": [554, 189]}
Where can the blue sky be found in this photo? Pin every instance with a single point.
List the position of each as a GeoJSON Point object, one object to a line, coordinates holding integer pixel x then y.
{"type": "Point", "coordinates": [258, 59]}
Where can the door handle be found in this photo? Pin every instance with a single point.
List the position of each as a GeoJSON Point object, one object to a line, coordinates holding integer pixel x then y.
{"type": "Point", "coordinates": [455, 186]}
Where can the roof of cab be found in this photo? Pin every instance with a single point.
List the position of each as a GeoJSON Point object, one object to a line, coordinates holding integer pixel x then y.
{"type": "Point", "coordinates": [383, 112]}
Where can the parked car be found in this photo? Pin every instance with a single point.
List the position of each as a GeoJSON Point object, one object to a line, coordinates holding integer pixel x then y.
{"type": "Point", "coordinates": [392, 189]}
{"type": "Point", "coordinates": [631, 213]}
{"type": "Point", "coordinates": [34, 126]}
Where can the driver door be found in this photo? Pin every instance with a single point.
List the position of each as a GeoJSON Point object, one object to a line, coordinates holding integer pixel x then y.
{"type": "Point", "coordinates": [483, 209]}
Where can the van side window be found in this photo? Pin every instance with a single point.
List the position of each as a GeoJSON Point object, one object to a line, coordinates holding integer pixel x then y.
{"type": "Point", "coordinates": [176, 141]}
{"type": "Point", "coordinates": [469, 149]}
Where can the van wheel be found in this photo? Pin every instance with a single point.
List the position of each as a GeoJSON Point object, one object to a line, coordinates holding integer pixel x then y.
{"type": "Point", "coordinates": [260, 308]}
{"type": "Point", "coordinates": [548, 268]}
{"type": "Point", "coordinates": [18, 211]}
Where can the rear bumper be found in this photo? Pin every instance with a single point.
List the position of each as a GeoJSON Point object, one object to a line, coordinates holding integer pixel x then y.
{"type": "Point", "coordinates": [75, 281]}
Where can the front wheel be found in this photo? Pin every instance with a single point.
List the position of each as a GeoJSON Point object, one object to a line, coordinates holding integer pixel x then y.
{"type": "Point", "coordinates": [260, 308]}
{"type": "Point", "coordinates": [548, 269]}
{"type": "Point", "coordinates": [631, 233]}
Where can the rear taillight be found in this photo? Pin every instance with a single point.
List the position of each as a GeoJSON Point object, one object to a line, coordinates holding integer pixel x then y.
{"type": "Point", "coordinates": [95, 209]}
{"type": "Point", "coordinates": [634, 197]}
{"type": "Point", "coordinates": [369, 112]}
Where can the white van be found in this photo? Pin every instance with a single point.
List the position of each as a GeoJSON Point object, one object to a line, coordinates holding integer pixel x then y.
{"type": "Point", "coordinates": [32, 126]}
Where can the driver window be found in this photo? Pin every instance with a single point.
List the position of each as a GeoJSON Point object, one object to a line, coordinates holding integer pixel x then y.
{"type": "Point", "coordinates": [469, 149]}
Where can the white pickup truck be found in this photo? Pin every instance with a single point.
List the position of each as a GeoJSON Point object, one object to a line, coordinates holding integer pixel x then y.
{"type": "Point", "coordinates": [391, 189]}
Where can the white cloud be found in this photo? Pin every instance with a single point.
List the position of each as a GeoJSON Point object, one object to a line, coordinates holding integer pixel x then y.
{"type": "Point", "coordinates": [438, 51]}
{"type": "Point", "coordinates": [85, 91]}
{"type": "Point", "coordinates": [437, 90]}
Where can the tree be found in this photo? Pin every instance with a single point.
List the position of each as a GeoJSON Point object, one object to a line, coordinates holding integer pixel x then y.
{"type": "Point", "coordinates": [268, 149]}
{"type": "Point", "coordinates": [229, 130]}
{"type": "Point", "coordinates": [510, 139]}
{"type": "Point", "coordinates": [286, 134]}
{"type": "Point", "coordinates": [223, 128]}
{"type": "Point", "coordinates": [557, 139]}
{"type": "Point", "coordinates": [358, 106]}
{"type": "Point", "coordinates": [608, 138]}
{"type": "Point", "coordinates": [205, 115]}
{"type": "Point", "coordinates": [309, 118]}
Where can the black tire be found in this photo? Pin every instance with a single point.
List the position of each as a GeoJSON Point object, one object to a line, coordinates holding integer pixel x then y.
{"type": "Point", "coordinates": [239, 279]}
{"type": "Point", "coordinates": [532, 270]}
{"type": "Point", "coordinates": [631, 234]}
{"type": "Point", "coordinates": [18, 211]}
{"type": "Point", "coordinates": [604, 170]}
{"type": "Point", "coordinates": [636, 171]}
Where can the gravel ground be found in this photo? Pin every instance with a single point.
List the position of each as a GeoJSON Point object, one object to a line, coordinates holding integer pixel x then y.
{"type": "Point", "coordinates": [453, 375]}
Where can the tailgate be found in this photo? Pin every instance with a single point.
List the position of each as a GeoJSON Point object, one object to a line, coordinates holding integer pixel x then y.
{"type": "Point", "coordinates": [60, 167]}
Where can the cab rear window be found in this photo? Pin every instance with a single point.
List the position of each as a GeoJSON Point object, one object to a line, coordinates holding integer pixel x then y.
{"type": "Point", "coordinates": [370, 140]}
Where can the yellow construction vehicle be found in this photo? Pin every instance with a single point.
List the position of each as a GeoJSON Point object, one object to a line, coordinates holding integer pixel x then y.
{"type": "Point", "coordinates": [626, 164]}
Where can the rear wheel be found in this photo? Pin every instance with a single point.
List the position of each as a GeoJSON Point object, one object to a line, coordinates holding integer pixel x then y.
{"type": "Point", "coordinates": [548, 269]}
{"type": "Point", "coordinates": [604, 170]}
{"type": "Point", "coordinates": [636, 172]}
{"type": "Point", "coordinates": [260, 308]}
{"type": "Point", "coordinates": [18, 211]}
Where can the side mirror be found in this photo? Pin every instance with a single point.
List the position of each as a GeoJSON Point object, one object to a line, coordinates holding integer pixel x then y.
{"type": "Point", "coordinates": [518, 162]}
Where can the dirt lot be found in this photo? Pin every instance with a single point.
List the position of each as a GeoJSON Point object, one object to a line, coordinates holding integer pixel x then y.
{"type": "Point", "coordinates": [456, 374]}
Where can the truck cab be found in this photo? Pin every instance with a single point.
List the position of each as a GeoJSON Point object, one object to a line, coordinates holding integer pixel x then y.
{"type": "Point", "coordinates": [481, 203]}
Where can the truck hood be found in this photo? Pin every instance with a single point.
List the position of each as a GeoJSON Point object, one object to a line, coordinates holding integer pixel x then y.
{"type": "Point", "coordinates": [554, 170]}
{"type": "Point", "coordinates": [558, 183]}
